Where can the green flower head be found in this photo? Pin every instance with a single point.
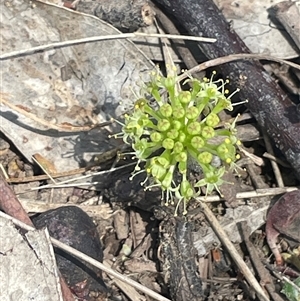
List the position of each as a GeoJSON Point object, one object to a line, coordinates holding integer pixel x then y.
{"type": "Point", "coordinates": [179, 125]}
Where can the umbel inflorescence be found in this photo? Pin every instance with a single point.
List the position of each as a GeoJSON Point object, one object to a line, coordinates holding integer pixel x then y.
{"type": "Point", "coordinates": [167, 126]}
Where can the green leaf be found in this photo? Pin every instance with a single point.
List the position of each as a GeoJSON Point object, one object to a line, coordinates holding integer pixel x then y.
{"type": "Point", "coordinates": [291, 292]}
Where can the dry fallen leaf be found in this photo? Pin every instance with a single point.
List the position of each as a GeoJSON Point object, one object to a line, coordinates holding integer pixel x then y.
{"type": "Point", "coordinates": [284, 218]}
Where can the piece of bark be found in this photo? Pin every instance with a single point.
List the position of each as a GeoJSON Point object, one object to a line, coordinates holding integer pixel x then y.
{"type": "Point", "coordinates": [177, 260]}
{"type": "Point", "coordinates": [289, 15]}
{"type": "Point", "coordinates": [72, 226]}
{"type": "Point", "coordinates": [271, 107]}
{"type": "Point", "coordinates": [124, 15]}
{"type": "Point", "coordinates": [10, 204]}
{"type": "Point", "coordinates": [28, 268]}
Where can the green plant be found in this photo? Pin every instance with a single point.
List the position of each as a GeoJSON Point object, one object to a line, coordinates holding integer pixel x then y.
{"type": "Point", "coordinates": [291, 290]}
{"type": "Point", "coordinates": [167, 126]}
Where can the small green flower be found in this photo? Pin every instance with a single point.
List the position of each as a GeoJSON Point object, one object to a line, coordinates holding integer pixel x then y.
{"type": "Point", "coordinates": [192, 113]}
{"type": "Point", "coordinates": [205, 157]}
{"type": "Point", "coordinates": [178, 147]}
{"type": "Point", "coordinates": [168, 143]}
{"type": "Point", "coordinates": [163, 125]}
{"type": "Point", "coordinates": [197, 142]}
{"type": "Point", "coordinates": [181, 157]}
{"type": "Point", "coordinates": [156, 137]}
{"type": "Point", "coordinates": [208, 132]}
{"type": "Point", "coordinates": [213, 179]}
{"type": "Point", "coordinates": [212, 120]}
{"type": "Point", "coordinates": [166, 110]}
{"type": "Point", "coordinates": [178, 112]}
{"type": "Point", "coordinates": [193, 128]}
{"type": "Point", "coordinates": [179, 126]}
{"type": "Point", "coordinates": [184, 97]}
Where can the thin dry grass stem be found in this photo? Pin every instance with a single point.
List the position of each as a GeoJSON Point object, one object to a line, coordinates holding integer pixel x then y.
{"type": "Point", "coordinates": [32, 50]}
{"type": "Point", "coordinates": [255, 159]}
{"type": "Point", "coordinates": [165, 48]}
{"type": "Point", "coordinates": [289, 281]}
{"type": "Point", "coordinates": [180, 46]}
{"type": "Point", "coordinates": [263, 274]}
{"type": "Point", "coordinates": [98, 210]}
{"type": "Point", "coordinates": [250, 194]}
{"type": "Point", "coordinates": [65, 183]}
{"type": "Point", "coordinates": [43, 169]}
{"type": "Point", "coordinates": [128, 290]}
{"type": "Point", "coordinates": [274, 164]}
{"type": "Point", "coordinates": [168, 61]}
{"type": "Point", "coordinates": [233, 252]}
{"type": "Point", "coordinates": [91, 261]}
{"type": "Point", "coordinates": [242, 117]}
{"type": "Point", "coordinates": [235, 57]}
{"type": "Point", "coordinates": [277, 160]}
{"type": "Point", "coordinates": [101, 158]}
{"type": "Point", "coordinates": [46, 177]}
{"type": "Point", "coordinates": [4, 173]}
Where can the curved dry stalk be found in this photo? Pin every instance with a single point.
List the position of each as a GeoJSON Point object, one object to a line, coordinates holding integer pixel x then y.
{"type": "Point", "coordinates": [235, 57]}
{"type": "Point", "coordinates": [32, 50]}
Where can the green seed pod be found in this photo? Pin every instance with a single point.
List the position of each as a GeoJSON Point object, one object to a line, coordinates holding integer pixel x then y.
{"type": "Point", "coordinates": [197, 142]}
{"type": "Point", "coordinates": [169, 83]}
{"type": "Point", "coordinates": [168, 143]}
{"type": "Point", "coordinates": [178, 112]}
{"type": "Point", "coordinates": [205, 158]}
{"type": "Point", "coordinates": [157, 171]}
{"type": "Point", "coordinates": [167, 181]}
{"type": "Point", "coordinates": [212, 120]}
{"type": "Point", "coordinates": [186, 190]}
{"type": "Point", "coordinates": [163, 125]}
{"type": "Point", "coordinates": [181, 137]}
{"type": "Point", "coordinates": [184, 97]}
{"type": "Point", "coordinates": [193, 128]}
{"type": "Point", "coordinates": [182, 167]}
{"type": "Point", "coordinates": [177, 125]}
{"type": "Point", "coordinates": [166, 110]}
{"type": "Point", "coordinates": [163, 162]}
{"type": "Point", "coordinates": [156, 137]}
{"type": "Point", "coordinates": [164, 159]}
{"type": "Point", "coordinates": [181, 157]}
{"type": "Point", "coordinates": [192, 112]}
{"type": "Point", "coordinates": [173, 134]}
{"type": "Point", "coordinates": [178, 147]}
{"type": "Point", "coordinates": [208, 132]}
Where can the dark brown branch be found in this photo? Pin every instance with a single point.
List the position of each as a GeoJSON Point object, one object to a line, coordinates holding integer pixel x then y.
{"type": "Point", "coordinates": [271, 107]}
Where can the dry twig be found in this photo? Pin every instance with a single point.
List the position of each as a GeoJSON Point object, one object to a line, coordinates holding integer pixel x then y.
{"type": "Point", "coordinates": [233, 252]}
{"type": "Point", "coordinates": [32, 50]}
